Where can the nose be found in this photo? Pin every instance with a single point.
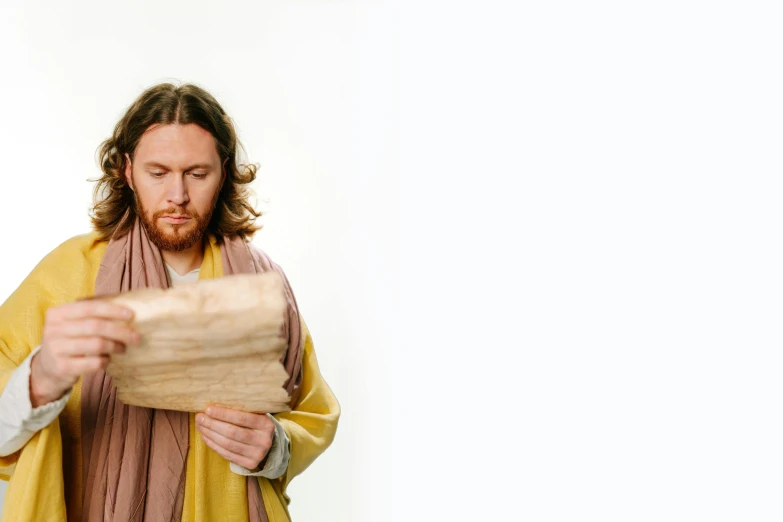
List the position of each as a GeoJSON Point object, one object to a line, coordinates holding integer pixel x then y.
{"type": "Point", "coordinates": [177, 191]}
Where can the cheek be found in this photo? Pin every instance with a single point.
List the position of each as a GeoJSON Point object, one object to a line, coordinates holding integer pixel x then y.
{"type": "Point", "coordinates": [149, 196]}
{"type": "Point", "coordinates": [202, 198]}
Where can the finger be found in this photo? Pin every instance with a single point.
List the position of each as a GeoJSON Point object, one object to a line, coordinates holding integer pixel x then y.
{"type": "Point", "coordinates": [254, 421]}
{"type": "Point", "coordinates": [94, 308]}
{"type": "Point", "coordinates": [234, 446]}
{"type": "Point", "coordinates": [91, 346]}
{"type": "Point", "coordinates": [111, 330]}
{"type": "Point", "coordinates": [90, 364]}
{"type": "Point", "coordinates": [228, 455]}
{"type": "Point", "coordinates": [228, 430]}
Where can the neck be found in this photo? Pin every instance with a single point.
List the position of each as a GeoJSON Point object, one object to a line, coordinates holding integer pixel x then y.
{"type": "Point", "coordinates": [186, 260]}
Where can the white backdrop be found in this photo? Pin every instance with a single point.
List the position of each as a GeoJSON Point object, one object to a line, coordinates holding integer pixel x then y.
{"type": "Point", "coordinates": [538, 243]}
{"type": "Point", "coordinates": [311, 88]}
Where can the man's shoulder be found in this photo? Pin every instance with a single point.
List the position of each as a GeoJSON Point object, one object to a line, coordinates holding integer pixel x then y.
{"type": "Point", "coordinates": [63, 275]}
{"type": "Point", "coordinates": [81, 252]}
{"type": "Point", "coordinates": [83, 247]}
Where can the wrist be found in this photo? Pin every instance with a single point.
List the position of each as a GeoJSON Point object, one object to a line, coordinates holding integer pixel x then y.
{"type": "Point", "coordinates": [42, 389]}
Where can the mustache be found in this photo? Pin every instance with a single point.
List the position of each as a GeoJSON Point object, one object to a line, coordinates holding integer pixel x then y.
{"type": "Point", "coordinates": [175, 212]}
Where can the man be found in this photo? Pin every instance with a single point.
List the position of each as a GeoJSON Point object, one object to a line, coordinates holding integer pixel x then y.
{"type": "Point", "coordinates": [171, 206]}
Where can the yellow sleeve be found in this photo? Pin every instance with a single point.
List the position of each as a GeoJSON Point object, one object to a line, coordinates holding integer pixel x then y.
{"type": "Point", "coordinates": [60, 277]}
{"type": "Point", "coordinates": [312, 424]}
{"type": "Point", "coordinates": [21, 330]}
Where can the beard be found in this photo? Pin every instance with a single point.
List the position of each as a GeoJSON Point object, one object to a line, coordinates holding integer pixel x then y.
{"type": "Point", "coordinates": [175, 237]}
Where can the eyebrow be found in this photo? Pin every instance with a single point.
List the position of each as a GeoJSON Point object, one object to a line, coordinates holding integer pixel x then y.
{"type": "Point", "coordinates": [149, 164]}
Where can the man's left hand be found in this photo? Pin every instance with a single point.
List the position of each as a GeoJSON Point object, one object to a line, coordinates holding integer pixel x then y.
{"type": "Point", "coordinates": [240, 437]}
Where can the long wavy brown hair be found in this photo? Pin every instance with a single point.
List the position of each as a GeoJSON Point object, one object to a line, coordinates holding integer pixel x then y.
{"type": "Point", "coordinates": [114, 210]}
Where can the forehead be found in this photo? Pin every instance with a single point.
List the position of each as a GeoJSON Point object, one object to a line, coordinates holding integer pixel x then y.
{"type": "Point", "coordinates": [174, 144]}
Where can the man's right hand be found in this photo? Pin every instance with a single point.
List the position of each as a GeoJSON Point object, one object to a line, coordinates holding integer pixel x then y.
{"type": "Point", "coordinates": [77, 339]}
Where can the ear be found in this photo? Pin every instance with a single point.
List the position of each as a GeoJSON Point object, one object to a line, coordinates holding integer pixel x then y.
{"type": "Point", "coordinates": [224, 172]}
{"type": "Point", "coordinates": [128, 171]}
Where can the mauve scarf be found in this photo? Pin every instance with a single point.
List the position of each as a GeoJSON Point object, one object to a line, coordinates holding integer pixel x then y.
{"type": "Point", "coordinates": [134, 458]}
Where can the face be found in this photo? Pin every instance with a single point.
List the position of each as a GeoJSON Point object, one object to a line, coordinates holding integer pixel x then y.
{"type": "Point", "coordinates": [176, 176]}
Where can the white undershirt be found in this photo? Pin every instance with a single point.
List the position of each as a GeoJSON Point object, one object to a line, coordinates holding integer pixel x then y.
{"type": "Point", "coordinates": [177, 279]}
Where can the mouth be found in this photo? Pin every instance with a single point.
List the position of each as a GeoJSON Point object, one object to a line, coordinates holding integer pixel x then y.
{"type": "Point", "coordinates": [176, 219]}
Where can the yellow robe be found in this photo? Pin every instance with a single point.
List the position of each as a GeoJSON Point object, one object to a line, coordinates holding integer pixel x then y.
{"type": "Point", "coordinates": [37, 489]}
